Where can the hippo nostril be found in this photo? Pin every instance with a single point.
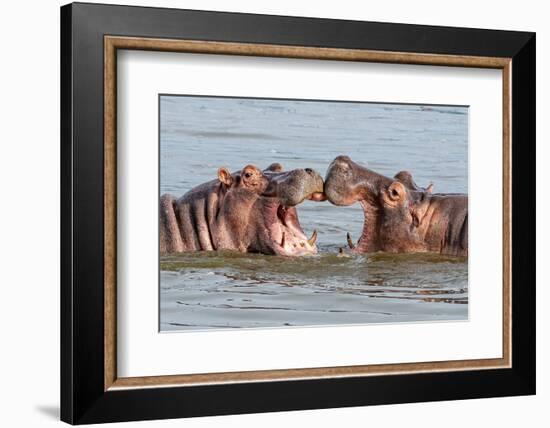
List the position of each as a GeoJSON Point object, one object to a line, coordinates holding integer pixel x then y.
{"type": "Point", "coordinates": [309, 170]}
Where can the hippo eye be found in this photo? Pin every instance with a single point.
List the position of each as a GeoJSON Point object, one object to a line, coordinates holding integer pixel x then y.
{"type": "Point", "coordinates": [248, 174]}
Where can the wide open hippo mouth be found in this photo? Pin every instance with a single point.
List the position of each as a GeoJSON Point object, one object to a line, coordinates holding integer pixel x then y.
{"type": "Point", "coordinates": [286, 190]}
{"type": "Point", "coordinates": [286, 233]}
{"type": "Point", "coordinates": [368, 239]}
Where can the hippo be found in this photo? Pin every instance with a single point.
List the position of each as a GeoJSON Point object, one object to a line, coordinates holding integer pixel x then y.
{"type": "Point", "coordinates": [399, 215]}
{"type": "Point", "coordinates": [248, 211]}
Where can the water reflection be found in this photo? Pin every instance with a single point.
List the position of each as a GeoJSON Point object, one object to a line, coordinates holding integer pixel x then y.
{"type": "Point", "coordinates": [215, 289]}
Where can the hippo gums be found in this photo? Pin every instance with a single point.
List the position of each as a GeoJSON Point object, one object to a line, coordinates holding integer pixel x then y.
{"type": "Point", "coordinates": [249, 211]}
{"type": "Point", "coordinates": [399, 215]}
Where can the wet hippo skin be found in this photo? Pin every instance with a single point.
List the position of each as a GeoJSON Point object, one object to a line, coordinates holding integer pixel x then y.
{"type": "Point", "coordinates": [399, 215]}
{"type": "Point", "coordinates": [248, 210]}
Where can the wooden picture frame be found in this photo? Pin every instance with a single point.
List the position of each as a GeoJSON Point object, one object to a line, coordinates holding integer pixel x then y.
{"type": "Point", "coordinates": [91, 390]}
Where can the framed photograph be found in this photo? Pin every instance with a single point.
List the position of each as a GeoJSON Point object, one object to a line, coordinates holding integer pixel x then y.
{"type": "Point", "coordinates": [266, 213]}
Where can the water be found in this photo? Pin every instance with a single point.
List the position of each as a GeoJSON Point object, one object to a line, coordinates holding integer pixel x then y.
{"type": "Point", "coordinates": [231, 290]}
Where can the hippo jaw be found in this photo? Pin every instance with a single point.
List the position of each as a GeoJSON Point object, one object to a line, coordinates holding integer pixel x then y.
{"type": "Point", "coordinates": [368, 241]}
{"type": "Point", "coordinates": [286, 233]}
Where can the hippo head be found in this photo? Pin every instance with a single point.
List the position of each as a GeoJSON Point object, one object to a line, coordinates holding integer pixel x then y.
{"type": "Point", "coordinates": [392, 208]}
{"type": "Point", "coordinates": [257, 209]}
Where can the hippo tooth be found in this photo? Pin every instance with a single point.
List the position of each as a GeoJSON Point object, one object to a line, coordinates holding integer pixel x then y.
{"type": "Point", "coordinates": [283, 240]}
{"type": "Point", "coordinates": [311, 241]}
{"type": "Point", "coordinates": [350, 242]}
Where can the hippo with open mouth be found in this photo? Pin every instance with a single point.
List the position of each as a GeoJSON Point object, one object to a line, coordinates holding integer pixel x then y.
{"type": "Point", "coordinates": [399, 215]}
{"type": "Point", "coordinates": [249, 211]}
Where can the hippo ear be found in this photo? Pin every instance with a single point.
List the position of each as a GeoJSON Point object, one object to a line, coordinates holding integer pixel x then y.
{"type": "Point", "coordinates": [406, 178]}
{"type": "Point", "coordinates": [430, 188]}
{"type": "Point", "coordinates": [397, 191]}
{"type": "Point", "coordinates": [274, 167]}
{"type": "Point", "coordinates": [225, 176]}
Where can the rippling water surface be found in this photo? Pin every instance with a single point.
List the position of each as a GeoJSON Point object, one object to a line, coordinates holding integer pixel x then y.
{"type": "Point", "coordinates": [231, 290]}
